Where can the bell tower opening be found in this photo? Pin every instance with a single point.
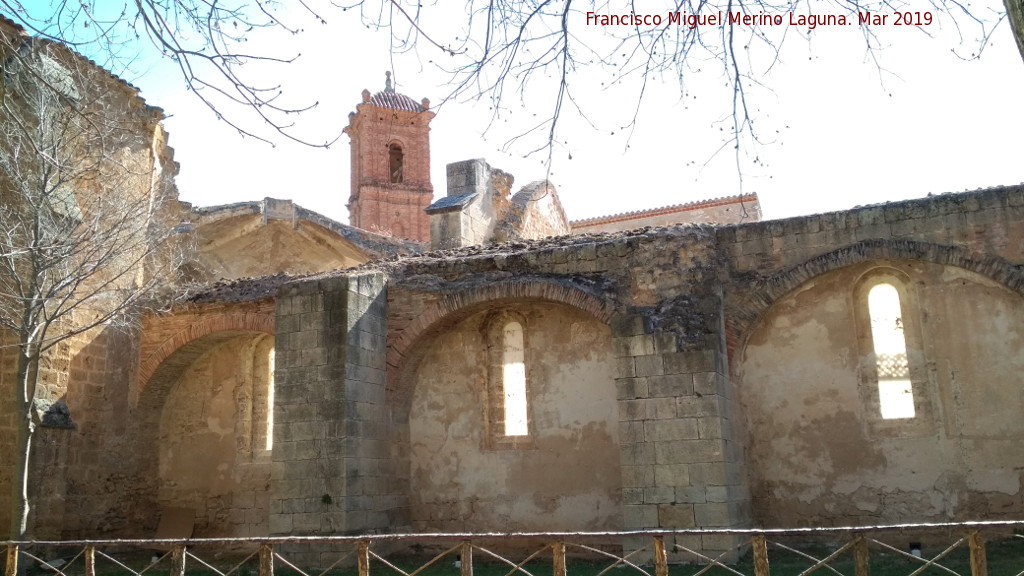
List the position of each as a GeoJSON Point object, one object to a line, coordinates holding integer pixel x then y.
{"type": "Point", "coordinates": [395, 158]}
{"type": "Point", "coordinates": [391, 188]}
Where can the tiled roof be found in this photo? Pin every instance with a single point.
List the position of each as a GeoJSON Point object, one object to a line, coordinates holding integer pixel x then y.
{"type": "Point", "coordinates": [664, 210]}
{"type": "Point", "coordinates": [396, 101]}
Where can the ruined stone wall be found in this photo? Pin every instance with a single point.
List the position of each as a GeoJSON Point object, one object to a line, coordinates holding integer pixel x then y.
{"type": "Point", "coordinates": [820, 453]}
{"type": "Point", "coordinates": [657, 292]}
{"type": "Point", "coordinates": [796, 329]}
{"type": "Point", "coordinates": [102, 483]}
{"type": "Point", "coordinates": [535, 212]}
{"type": "Point", "coordinates": [563, 474]}
{"type": "Point", "coordinates": [214, 458]}
{"type": "Point", "coordinates": [329, 459]}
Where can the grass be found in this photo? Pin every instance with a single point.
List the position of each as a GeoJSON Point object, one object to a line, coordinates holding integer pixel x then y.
{"type": "Point", "coordinates": [1005, 558]}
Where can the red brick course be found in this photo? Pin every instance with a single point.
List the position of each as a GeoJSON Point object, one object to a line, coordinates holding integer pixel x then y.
{"type": "Point", "coordinates": [164, 334]}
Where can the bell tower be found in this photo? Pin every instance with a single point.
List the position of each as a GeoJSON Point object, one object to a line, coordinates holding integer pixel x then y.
{"type": "Point", "coordinates": [391, 188]}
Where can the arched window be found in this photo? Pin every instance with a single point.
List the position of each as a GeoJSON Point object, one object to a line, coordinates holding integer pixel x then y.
{"type": "Point", "coordinates": [514, 380]}
{"type": "Point", "coordinates": [396, 163]}
{"type": "Point", "coordinates": [508, 408]}
{"type": "Point", "coordinates": [893, 368]}
{"type": "Point", "coordinates": [895, 392]}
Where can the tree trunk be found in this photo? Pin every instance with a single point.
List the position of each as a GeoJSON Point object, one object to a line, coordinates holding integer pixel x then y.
{"type": "Point", "coordinates": [28, 370]}
{"type": "Point", "coordinates": [1015, 15]}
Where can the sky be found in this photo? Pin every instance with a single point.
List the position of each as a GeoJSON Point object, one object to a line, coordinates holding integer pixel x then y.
{"type": "Point", "coordinates": [839, 126]}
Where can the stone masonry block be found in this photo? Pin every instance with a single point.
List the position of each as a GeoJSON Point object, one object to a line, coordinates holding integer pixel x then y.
{"type": "Point", "coordinates": [632, 495]}
{"type": "Point", "coordinates": [637, 476]}
{"type": "Point", "coordinates": [708, 473]}
{"type": "Point", "coordinates": [712, 514]}
{"type": "Point", "coordinates": [280, 524]}
{"type": "Point", "coordinates": [642, 345]}
{"type": "Point", "coordinates": [672, 475]}
{"type": "Point", "coordinates": [716, 493]}
{"type": "Point", "coordinates": [637, 454]}
{"type": "Point", "coordinates": [688, 451]}
{"type": "Point", "coordinates": [630, 325]}
{"type": "Point", "coordinates": [660, 408]}
{"type": "Point", "coordinates": [631, 432]}
{"type": "Point", "coordinates": [705, 383]}
{"type": "Point", "coordinates": [670, 385]}
{"type": "Point", "coordinates": [676, 516]}
{"type": "Point", "coordinates": [698, 406]}
{"type": "Point", "coordinates": [713, 428]}
{"type": "Point", "coordinates": [632, 410]}
{"type": "Point", "coordinates": [690, 494]}
{"type": "Point", "coordinates": [631, 388]}
{"type": "Point", "coordinates": [689, 362]}
{"type": "Point", "coordinates": [659, 495]}
{"type": "Point", "coordinates": [665, 343]}
{"type": "Point", "coordinates": [649, 365]}
{"type": "Point", "coordinates": [674, 429]}
{"type": "Point", "coordinates": [636, 517]}
{"type": "Point", "coordinates": [624, 367]}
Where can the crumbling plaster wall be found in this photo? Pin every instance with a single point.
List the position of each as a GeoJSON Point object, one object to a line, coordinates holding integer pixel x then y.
{"type": "Point", "coordinates": [789, 298]}
{"type": "Point", "coordinates": [213, 439]}
{"type": "Point", "coordinates": [815, 457]}
{"type": "Point", "coordinates": [563, 476]}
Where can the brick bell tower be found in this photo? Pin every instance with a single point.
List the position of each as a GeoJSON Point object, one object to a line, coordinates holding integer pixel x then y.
{"type": "Point", "coordinates": [391, 186]}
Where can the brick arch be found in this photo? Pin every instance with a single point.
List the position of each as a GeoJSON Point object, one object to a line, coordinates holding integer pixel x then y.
{"type": "Point", "coordinates": [455, 306]}
{"type": "Point", "coordinates": [194, 342]}
{"type": "Point", "coordinates": [746, 311]}
{"type": "Point", "coordinates": [204, 326]}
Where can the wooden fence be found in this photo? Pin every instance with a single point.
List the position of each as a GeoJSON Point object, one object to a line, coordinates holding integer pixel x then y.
{"type": "Point", "coordinates": [958, 549]}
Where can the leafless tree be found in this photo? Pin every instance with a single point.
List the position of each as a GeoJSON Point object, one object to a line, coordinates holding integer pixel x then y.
{"type": "Point", "coordinates": [494, 49]}
{"type": "Point", "coordinates": [85, 233]}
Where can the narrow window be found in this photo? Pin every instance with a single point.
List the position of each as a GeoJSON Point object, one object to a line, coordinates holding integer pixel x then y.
{"type": "Point", "coordinates": [514, 380]}
{"type": "Point", "coordinates": [896, 394]}
{"type": "Point", "coordinates": [270, 399]}
{"type": "Point", "coordinates": [396, 161]}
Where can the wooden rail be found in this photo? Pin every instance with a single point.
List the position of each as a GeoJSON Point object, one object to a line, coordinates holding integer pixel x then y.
{"type": "Point", "coordinates": [858, 544]}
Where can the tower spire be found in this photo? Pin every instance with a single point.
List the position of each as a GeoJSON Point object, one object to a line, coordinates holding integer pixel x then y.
{"type": "Point", "coordinates": [387, 82]}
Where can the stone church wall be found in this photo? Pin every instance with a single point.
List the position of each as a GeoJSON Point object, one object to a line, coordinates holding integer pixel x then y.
{"type": "Point", "coordinates": [819, 451]}
{"type": "Point", "coordinates": [562, 475]}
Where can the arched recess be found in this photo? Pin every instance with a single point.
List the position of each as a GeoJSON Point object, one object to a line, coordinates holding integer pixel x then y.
{"type": "Point", "coordinates": [203, 431]}
{"type": "Point", "coordinates": [822, 450]}
{"type": "Point", "coordinates": [200, 326]}
{"type": "Point", "coordinates": [746, 305]}
{"type": "Point", "coordinates": [455, 305]}
{"type": "Point", "coordinates": [456, 465]}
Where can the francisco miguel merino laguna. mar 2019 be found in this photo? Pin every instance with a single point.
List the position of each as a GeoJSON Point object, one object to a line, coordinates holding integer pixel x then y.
{"type": "Point", "coordinates": [907, 18]}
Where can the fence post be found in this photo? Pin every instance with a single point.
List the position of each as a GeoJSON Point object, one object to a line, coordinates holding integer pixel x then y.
{"type": "Point", "coordinates": [861, 560]}
{"type": "Point", "coordinates": [660, 557]}
{"type": "Point", "coordinates": [558, 551]}
{"type": "Point", "coordinates": [363, 552]}
{"type": "Point", "coordinates": [90, 561]}
{"type": "Point", "coordinates": [466, 557]}
{"type": "Point", "coordinates": [178, 561]}
{"type": "Point", "coordinates": [266, 559]}
{"type": "Point", "coordinates": [979, 563]}
{"type": "Point", "coordinates": [12, 560]}
{"type": "Point", "coordinates": [760, 545]}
